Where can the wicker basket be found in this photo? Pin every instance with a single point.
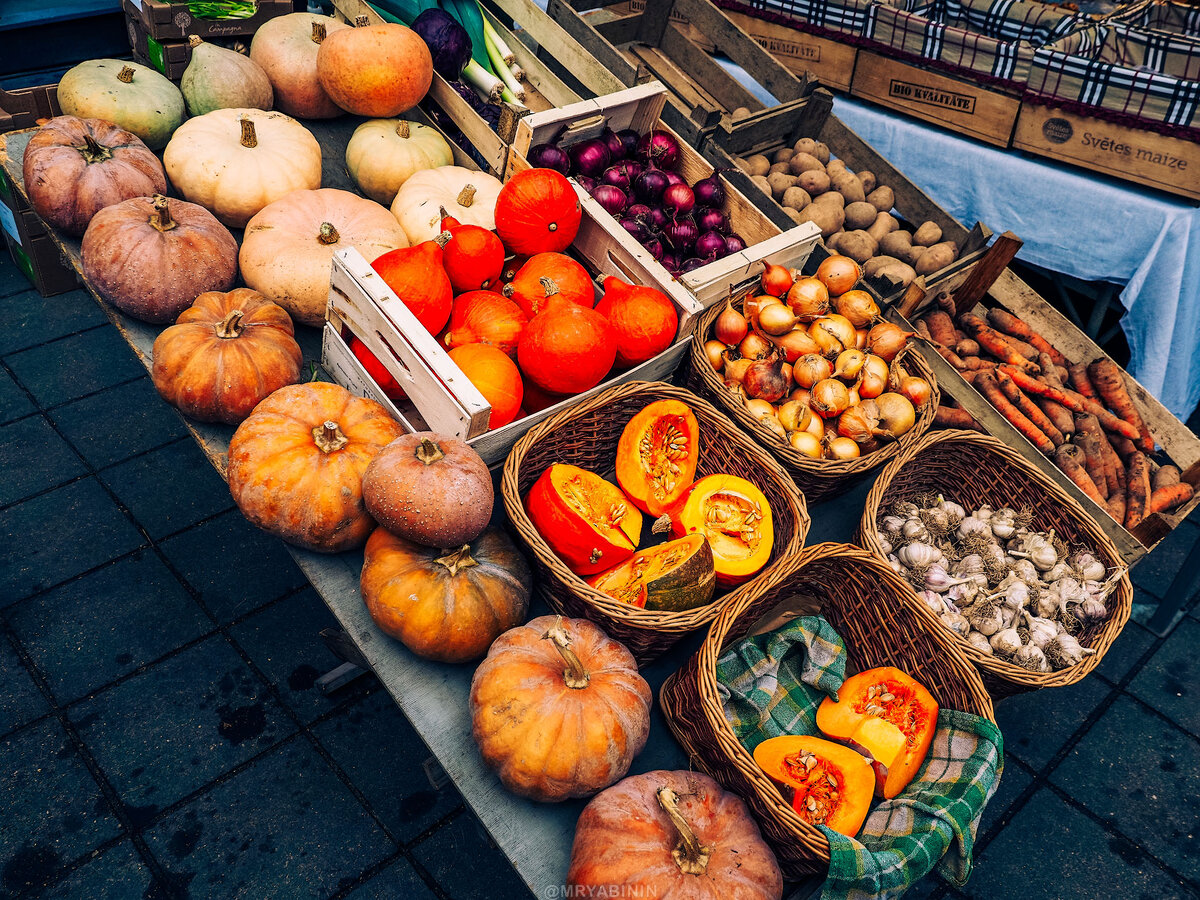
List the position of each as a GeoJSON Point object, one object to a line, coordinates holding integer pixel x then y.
{"type": "Point", "coordinates": [972, 470]}
{"type": "Point", "coordinates": [586, 435]}
{"type": "Point", "coordinates": [857, 595]}
{"type": "Point", "coordinates": [818, 478]}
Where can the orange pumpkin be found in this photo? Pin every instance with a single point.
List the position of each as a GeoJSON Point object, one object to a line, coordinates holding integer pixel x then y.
{"type": "Point", "coordinates": [472, 255]}
{"type": "Point", "coordinates": [671, 834]}
{"type": "Point", "coordinates": [827, 784]}
{"type": "Point", "coordinates": [567, 349]}
{"type": "Point", "coordinates": [674, 576]}
{"type": "Point", "coordinates": [381, 376]}
{"type": "Point", "coordinates": [495, 376]}
{"type": "Point", "coordinates": [537, 212]}
{"type": "Point", "coordinates": [546, 276]}
{"type": "Point", "coordinates": [296, 464]}
{"type": "Point", "coordinates": [379, 71]}
{"type": "Point", "coordinates": [890, 717]}
{"type": "Point", "coordinates": [657, 456]}
{"type": "Point", "coordinates": [224, 354]}
{"type": "Point", "coordinates": [535, 399]}
{"type": "Point", "coordinates": [736, 518]}
{"type": "Point", "coordinates": [445, 605]}
{"type": "Point", "coordinates": [585, 519]}
{"type": "Point", "coordinates": [558, 709]}
{"type": "Point", "coordinates": [485, 317]}
{"type": "Point", "coordinates": [643, 321]}
{"type": "Point", "coordinates": [419, 280]}
{"type": "Point", "coordinates": [286, 47]}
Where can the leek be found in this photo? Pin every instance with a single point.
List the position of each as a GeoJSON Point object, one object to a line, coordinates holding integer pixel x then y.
{"type": "Point", "coordinates": [489, 86]}
{"type": "Point", "coordinates": [503, 71]}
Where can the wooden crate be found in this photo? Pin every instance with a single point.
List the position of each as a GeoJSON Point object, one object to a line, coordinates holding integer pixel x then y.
{"type": "Point", "coordinates": [828, 60]}
{"type": "Point", "coordinates": [30, 247]}
{"type": "Point", "coordinates": [170, 57]}
{"type": "Point", "coordinates": [1179, 443]}
{"type": "Point", "coordinates": [637, 47]}
{"type": "Point", "coordinates": [21, 108]}
{"type": "Point", "coordinates": [639, 108]}
{"type": "Point", "coordinates": [172, 21]}
{"type": "Point", "coordinates": [959, 105]}
{"type": "Point", "coordinates": [1131, 154]}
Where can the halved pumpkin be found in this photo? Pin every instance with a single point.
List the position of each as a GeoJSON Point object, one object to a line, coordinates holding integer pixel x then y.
{"type": "Point", "coordinates": [828, 784]}
{"type": "Point", "coordinates": [657, 456]}
{"type": "Point", "coordinates": [671, 577]}
{"type": "Point", "coordinates": [736, 518]}
{"type": "Point", "coordinates": [585, 519]}
{"type": "Point", "coordinates": [890, 716]}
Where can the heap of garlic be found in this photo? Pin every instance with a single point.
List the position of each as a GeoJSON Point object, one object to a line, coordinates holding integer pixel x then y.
{"type": "Point", "coordinates": [1010, 592]}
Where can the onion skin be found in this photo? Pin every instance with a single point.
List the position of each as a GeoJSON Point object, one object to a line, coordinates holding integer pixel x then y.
{"type": "Point", "coordinates": [794, 415]}
{"type": "Point", "coordinates": [731, 326]}
{"type": "Point", "coordinates": [714, 220]}
{"type": "Point", "coordinates": [808, 298]}
{"type": "Point", "coordinates": [776, 280]}
{"type": "Point", "coordinates": [714, 350]}
{"type": "Point", "coordinates": [896, 413]}
{"type": "Point", "coordinates": [735, 370]}
{"type": "Point", "coordinates": [776, 319]}
{"type": "Point", "coordinates": [622, 175]}
{"type": "Point", "coordinates": [616, 147]}
{"type": "Point", "coordinates": [887, 339]}
{"type": "Point", "coordinates": [840, 327]}
{"type": "Point", "coordinates": [858, 306]}
{"type": "Point", "coordinates": [548, 156]}
{"type": "Point", "coordinates": [658, 148]}
{"type": "Point", "coordinates": [629, 140]}
{"type": "Point", "coordinates": [692, 264]}
{"type": "Point", "coordinates": [806, 444]}
{"type": "Point", "coordinates": [612, 198]}
{"type": "Point", "coordinates": [590, 157]}
{"type": "Point", "coordinates": [839, 274]}
{"type": "Point", "coordinates": [649, 186]}
{"type": "Point", "coordinates": [653, 246]}
{"type": "Point", "coordinates": [754, 346]}
{"type": "Point", "coordinates": [872, 378]}
{"type": "Point", "coordinates": [636, 229]}
{"type": "Point", "coordinates": [849, 363]}
{"type": "Point", "coordinates": [710, 246]}
{"type": "Point", "coordinates": [710, 193]}
{"type": "Point", "coordinates": [764, 380]}
{"type": "Point", "coordinates": [842, 448]}
{"type": "Point", "coordinates": [829, 398]}
{"type": "Point", "coordinates": [810, 369]}
{"type": "Point", "coordinates": [916, 390]}
{"type": "Point", "coordinates": [795, 344]}
{"type": "Point", "coordinates": [681, 234]}
{"type": "Point", "coordinates": [679, 200]}
{"type": "Point", "coordinates": [734, 244]}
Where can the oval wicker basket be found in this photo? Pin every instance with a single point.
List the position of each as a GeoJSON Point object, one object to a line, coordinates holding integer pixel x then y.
{"type": "Point", "coordinates": [857, 595]}
{"type": "Point", "coordinates": [973, 469]}
{"type": "Point", "coordinates": [586, 435]}
{"type": "Point", "coordinates": [818, 478]}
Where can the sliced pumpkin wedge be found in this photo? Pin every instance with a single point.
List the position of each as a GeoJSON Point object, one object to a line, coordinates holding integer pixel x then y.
{"type": "Point", "coordinates": [671, 577]}
{"type": "Point", "coordinates": [657, 455]}
{"type": "Point", "coordinates": [736, 518]}
{"type": "Point", "coordinates": [828, 784]}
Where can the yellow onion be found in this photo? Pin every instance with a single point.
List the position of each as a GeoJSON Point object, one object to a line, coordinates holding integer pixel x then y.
{"type": "Point", "coordinates": [849, 364]}
{"type": "Point", "coordinates": [861, 423]}
{"type": "Point", "coordinates": [764, 380]}
{"type": "Point", "coordinates": [731, 326]}
{"type": "Point", "coordinates": [759, 408]}
{"type": "Point", "coordinates": [855, 396]}
{"type": "Point", "coordinates": [776, 319]}
{"type": "Point", "coordinates": [715, 351]}
{"type": "Point", "coordinates": [860, 339]}
{"type": "Point", "coordinates": [873, 378]}
{"type": "Point", "coordinates": [786, 369]}
{"type": "Point", "coordinates": [754, 346]}
{"type": "Point", "coordinates": [858, 306]}
{"type": "Point", "coordinates": [838, 273]}
{"type": "Point", "coordinates": [805, 444]}
{"type": "Point", "coordinates": [841, 328]}
{"type": "Point", "coordinates": [815, 426]}
{"type": "Point", "coordinates": [794, 415]}
{"type": "Point", "coordinates": [800, 394]}
{"type": "Point", "coordinates": [887, 339]}
{"type": "Point", "coordinates": [735, 369]}
{"type": "Point", "coordinates": [829, 344]}
{"type": "Point", "coordinates": [829, 398]}
{"type": "Point", "coordinates": [795, 344]}
{"type": "Point", "coordinates": [841, 448]}
{"type": "Point", "coordinates": [917, 390]}
{"type": "Point", "coordinates": [776, 280]}
{"type": "Point", "coordinates": [896, 413]}
{"type": "Point", "coordinates": [771, 423]}
{"type": "Point", "coordinates": [810, 369]}
{"type": "Point", "coordinates": [808, 299]}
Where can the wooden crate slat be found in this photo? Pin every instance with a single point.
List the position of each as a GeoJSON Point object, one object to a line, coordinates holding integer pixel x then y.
{"type": "Point", "coordinates": [729, 93]}
{"type": "Point", "coordinates": [593, 43]}
{"type": "Point", "coordinates": [801, 52]}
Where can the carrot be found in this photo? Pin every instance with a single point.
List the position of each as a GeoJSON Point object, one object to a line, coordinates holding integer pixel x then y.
{"type": "Point", "coordinates": [1080, 380]}
{"type": "Point", "coordinates": [1031, 410]}
{"type": "Point", "coordinates": [1109, 381]}
{"type": "Point", "coordinates": [944, 301]}
{"type": "Point", "coordinates": [1059, 414]}
{"type": "Point", "coordinates": [1116, 505]}
{"type": "Point", "coordinates": [1003, 320]}
{"type": "Point", "coordinates": [1069, 458]}
{"type": "Point", "coordinates": [1114, 469]}
{"type": "Point", "coordinates": [1169, 496]}
{"type": "Point", "coordinates": [1165, 476]}
{"type": "Point", "coordinates": [941, 327]}
{"type": "Point", "coordinates": [1072, 401]}
{"type": "Point", "coordinates": [959, 336]}
{"type": "Point", "coordinates": [1087, 440]}
{"type": "Point", "coordinates": [986, 384]}
{"type": "Point", "coordinates": [975, 362]}
{"type": "Point", "coordinates": [994, 343]}
{"type": "Point", "coordinates": [948, 417]}
{"type": "Point", "coordinates": [967, 348]}
{"type": "Point", "coordinates": [1138, 499]}
{"type": "Point", "coordinates": [1123, 446]}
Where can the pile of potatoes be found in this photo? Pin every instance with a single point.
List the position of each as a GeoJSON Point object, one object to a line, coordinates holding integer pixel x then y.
{"type": "Point", "coordinates": [853, 212]}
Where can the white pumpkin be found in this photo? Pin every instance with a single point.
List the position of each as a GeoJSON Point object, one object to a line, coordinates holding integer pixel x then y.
{"type": "Point", "coordinates": [289, 246]}
{"type": "Point", "coordinates": [234, 162]}
{"type": "Point", "coordinates": [466, 194]}
{"type": "Point", "coordinates": [384, 153]}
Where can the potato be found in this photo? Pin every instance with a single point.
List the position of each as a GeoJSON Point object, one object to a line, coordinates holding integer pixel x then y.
{"type": "Point", "coordinates": [827, 217]}
{"type": "Point", "coordinates": [763, 184]}
{"type": "Point", "coordinates": [833, 198]}
{"type": "Point", "coordinates": [780, 182]}
{"type": "Point", "coordinates": [875, 263]}
{"type": "Point", "coordinates": [835, 165]}
{"type": "Point", "coordinates": [928, 234]}
{"type": "Point", "coordinates": [759, 164]}
{"type": "Point", "coordinates": [913, 254]}
{"type": "Point", "coordinates": [821, 152]}
{"type": "Point", "coordinates": [867, 179]}
{"type": "Point", "coordinates": [795, 214]}
{"type": "Point", "coordinates": [897, 244]}
{"type": "Point", "coordinates": [885, 223]}
{"type": "Point", "coordinates": [804, 162]}
{"type": "Point", "coordinates": [936, 257]}
{"type": "Point", "coordinates": [744, 165]}
{"type": "Point", "coordinates": [782, 155]}
{"type": "Point", "coordinates": [796, 198]}
{"type": "Point", "coordinates": [858, 245]}
{"type": "Point", "coordinates": [805, 145]}
{"type": "Point", "coordinates": [848, 185]}
{"type": "Point", "coordinates": [860, 215]}
{"type": "Point", "coordinates": [814, 181]}
{"type": "Point", "coordinates": [891, 269]}
{"type": "Point", "coordinates": [881, 198]}
{"type": "Point", "coordinates": [779, 167]}
{"type": "Point", "coordinates": [741, 112]}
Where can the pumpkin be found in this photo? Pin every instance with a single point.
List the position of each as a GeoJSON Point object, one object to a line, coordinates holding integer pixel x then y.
{"type": "Point", "coordinates": [384, 153]}
{"type": "Point", "coordinates": [558, 709]}
{"type": "Point", "coordinates": [473, 256]}
{"type": "Point", "coordinates": [296, 464]}
{"type": "Point", "coordinates": [431, 489]}
{"type": "Point", "coordinates": [495, 376]}
{"type": "Point", "coordinates": [566, 349]}
{"type": "Point", "coordinates": [224, 354]}
{"type": "Point", "coordinates": [286, 49]}
{"type": "Point", "coordinates": [583, 518]}
{"type": "Point", "coordinates": [216, 78]}
{"type": "Point", "coordinates": [736, 518]}
{"type": "Point", "coordinates": [657, 456]}
{"type": "Point", "coordinates": [535, 399]}
{"type": "Point", "coordinates": [429, 195]}
{"type": "Point", "coordinates": [289, 245]}
{"type": "Point", "coordinates": [826, 783]}
{"type": "Point", "coordinates": [643, 320]}
{"type": "Point", "coordinates": [547, 275]}
{"type": "Point", "coordinates": [236, 161]}
{"type": "Point", "coordinates": [129, 95]}
{"type": "Point", "coordinates": [73, 168]}
{"type": "Point", "coordinates": [537, 212]}
{"type": "Point", "coordinates": [484, 317]}
{"type": "Point", "coordinates": [671, 834]}
{"type": "Point", "coordinates": [675, 576]}
{"type": "Point", "coordinates": [151, 257]}
{"type": "Point", "coordinates": [378, 71]}
{"type": "Point", "coordinates": [445, 605]}
{"type": "Point", "coordinates": [887, 715]}
{"type": "Point", "coordinates": [416, 276]}
{"type": "Point", "coordinates": [380, 375]}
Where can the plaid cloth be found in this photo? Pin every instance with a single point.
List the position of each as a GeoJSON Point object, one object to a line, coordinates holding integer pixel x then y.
{"type": "Point", "coordinates": [771, 684]}
{"type": "Point", "coordinates": [847, 16]}
{"type": "Point", "coordinates": [1162, 15]}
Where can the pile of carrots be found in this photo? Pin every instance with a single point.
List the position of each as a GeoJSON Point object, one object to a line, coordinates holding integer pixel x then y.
{"type": "Point", "coordinates": [1078, 414]}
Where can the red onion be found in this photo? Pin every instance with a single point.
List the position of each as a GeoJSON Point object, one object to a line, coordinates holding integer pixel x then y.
{"type": "Point", "coordinates": [650, 185]}
{"type": "Point", "coordinates": [590, 157]}
{"type": "Point", "coordinates": [710, 245]}
{"type": "Point", "coordinates": [629, 140]}
{"type": "Point", "coordinates": [671, 262]}
{"type": "Point", "coordinates": [734, 244]}
{"type": "Point", "coordinates": [660, 148]}
{"type": "Point", "coordinates": [709, 192]}
{"type": "Point", "coordinates": [712, 220]}
{"type": "Point", "coordinates": [588, 184]}
{"type": "Point", "coordinates": [638, 211]}
{"type": "Point", "coordinates": [612, 198]}
{"type": "Point", "coordinates": [549, 156]}
{"type": "Point", "coordinates": [674, 178]}
{"type": "Point", "coordinates": [681, 234]}
{"type": "Point", "coordinates": [616, 147]}
{"type": "Point", "coordinates": [692, 264]}
{"type": "Point", "coordinates": [622, 174]}
{"type": "Point", "coordinates": [636, 228]}
{"type": "Point", "coordinates": [678, 199]}
{"type": "Point", "coordinates": [657, 218]}
{"type": "Point", "coordinates": [654, 247]}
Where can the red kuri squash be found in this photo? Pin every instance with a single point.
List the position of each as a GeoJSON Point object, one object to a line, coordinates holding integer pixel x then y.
{"type": "Point", "coordinates": [538, 211]}
{"type": "Point", "coordinates": [418, 278]}
{"type": "Point", "coordinates": [548, 275]}
{"type": "Point", "coordinates": [567, 348]}
{"type": "Point", "coordinates": [496, 377]}
{"type": "Point", "coordinates": [377, 71]}
{"type": "Point", "coordinates": [472, 255]}
{"type": "Point", "coordinates": [484, 317]}
{"type": "Point", "coordinates": [381, 376]}
{"type": "Point", "coordinates": [643, 321]}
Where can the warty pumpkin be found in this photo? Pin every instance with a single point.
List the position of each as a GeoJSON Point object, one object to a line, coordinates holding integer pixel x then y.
{"type": "Point", "coordinates": [224, 354]}
{"type": "Point", "coordinates": [286, 47]}
{"type": "Point", "coordinates": [127, 94]}
{"type": "Point", "coordinates": [558, 709]}
{"type": "Point", "coordinates": [217, 78]}
{"type": "Point", "coordinates": [384, 153]}
{"type": "Point", "coordinates": [296, 464]}
{"type": "Point", "coordinates": [431, 194]}
{"type": "Point", "coordinates": [377, 71]}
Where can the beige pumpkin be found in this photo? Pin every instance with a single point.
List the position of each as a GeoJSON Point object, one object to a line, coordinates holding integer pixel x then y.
{"type": "Point", "coordinates": [286, 47]}
{"type": "Point", "coordinates": [468, 195]}
{"type": "Point", "coordinates": [384, 153]}
{"type": "Point", "coordinates": [236, 161]}
{"type": "Point", "coordinates": [289, 245]}
{"type": "Point", "coordinates": [217, 78]}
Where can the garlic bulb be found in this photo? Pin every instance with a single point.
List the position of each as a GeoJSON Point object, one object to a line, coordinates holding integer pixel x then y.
{"type": "Point", "coordinates": [884, 544]}
{"type": "Point", "coordinates": [914, 530]}
{"type": "Point", "coordinates": [906, 510]}
{"type": "Point", "coordinates": [1047, 605]}
{"type": "Point", "coordinates": [1006, 642]}
{"type": "Point", "coordinates": [984, 513]}
{"type": "Point", "coordinates": [894, 562]}
{"type": "Point", "coordinates": [937, 519]}
{"type": "Point", "coordinates": [965, 593]}
{"type": "Point", "coordinates": [1060, 570]}
{"type": "Point", "coordinates": [1041, 631]}
{"type": "Point", "coordinates": [979, 642]}
{"type": "Point", "coordinates": [972, 564]}
{"type": "Point", "coordinates": [934, 601]}
{"type": "Point", "coordinates": [1087, 566]}
{"type": "Point", "coordinates": [985, 618]}
{"type": "Point", "coordinates": [1029, 656]}
{"type": "Point", "coordinates": [919, 554]}
{"type": "Point", "coordinates": [891, 524]}
{"type": "Point", "coordinates": [956, 622]}
{"type": "Point", "coordinates": [1006, 512]}
{"type": "Point", "coordinates": [973, 525]}
{"type": "Point", "coordinates": [1002, 528]}
{"type": "Point", "coordinates": [952, 509]}
{"type": "Point", "coordinates": [1015, 595]}
{"type": "Point", "coordinates": [1066, 651]}
{"type": "Point", "coordinates": [1026, 571]}
{"type": "Point", "coordinates": [1091, 610]}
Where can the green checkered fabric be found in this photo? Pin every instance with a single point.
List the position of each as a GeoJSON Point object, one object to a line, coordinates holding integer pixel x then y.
{"type": "Point", "coordinates": [771, 684]}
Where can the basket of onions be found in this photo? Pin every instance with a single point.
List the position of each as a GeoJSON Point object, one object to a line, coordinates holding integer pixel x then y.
{"type": "Point", "coordinates": [1029, 586]}
{"type": "Point", "coordinates": [809, 367]}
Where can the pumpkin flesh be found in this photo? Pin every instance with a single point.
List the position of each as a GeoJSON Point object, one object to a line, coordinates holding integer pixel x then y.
{"type": "Point", "coordinates": [826, 783]}
{"type": "Point", "coordinates": [657, 456]}
{"type": "Point", "coordinates": [583, 518]}
{"type": "Point", "coordinates": [736, 518]}
{"type": "Point", "coordinates": [672, 577]}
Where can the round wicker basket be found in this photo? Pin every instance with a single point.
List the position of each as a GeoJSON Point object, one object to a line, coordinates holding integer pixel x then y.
{"type": "Point", "coordinates": [818, 478]}
{"type": "Point", "coordinates": [586, 435]}
{"type": "Point", "coordinates": [857, 594]}
{"type": "Point", "coordinates": [973, 470]}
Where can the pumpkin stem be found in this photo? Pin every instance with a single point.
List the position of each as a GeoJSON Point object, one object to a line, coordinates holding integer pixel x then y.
{"type": "Point", "coordinates": [194, 41]}
{"type": "Point", "coordinates": [126, 75]}
{"type": "Point", "coordinates": [329, 234]}
{"type": "Point", "coordinates": [549, 286]}
{"type": "Point", "coordinates": [575, 676]}
{"type": "Point", "coordinates": [162, 214]}
{"type": "Point", "coordinates": [231, 326]}
{"type": "Point", "coordinates": [443, 238]}
{"type": "Point", "coordinates": [93, 152]}
{"type": "Point", "coordinates": [249, 138]}
{"type": "Point", "coordinates": [428, 451]}
{"type": "Point", "coordinates": [467, 195]}
{"type": "Point", "coordinates": [361, 21]}
{"type": "Point", "coordinates": [690, 855]}
{"type": "Point", "coordinates": [318, 34]}
{"type": "Point", "coordinates": [403, 128]}
{"type": "Point", "coordinates": [457, 559]}
{"type": "Point", "coordinates": [328, 437]}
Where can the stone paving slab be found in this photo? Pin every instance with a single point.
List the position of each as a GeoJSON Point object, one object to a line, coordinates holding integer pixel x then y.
{"type": "Point", "coordinates": [115, 424]}
{"type": "Point", "coordinates": [34, 459]}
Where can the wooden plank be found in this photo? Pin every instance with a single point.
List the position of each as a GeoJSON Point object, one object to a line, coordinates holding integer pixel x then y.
{"type": "Point", "coordinates": [706, 71]}
{"type": "Point", "coordinates": [543, 89]}
{"type": "Point", "coordinates": [830, 61]}
{"type": "Point", "coordinates": [985, 272]}
{"type": "Point", "coordinates": [593, 44]}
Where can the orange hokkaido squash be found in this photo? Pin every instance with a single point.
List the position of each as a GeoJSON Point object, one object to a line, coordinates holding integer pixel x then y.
{"type": "Point", "coordinates": [495, 376]}
{"type": "Point", "coordinates": [566, 348]}
{"type": "Point", "coordinates": [472, 255]}
{"type": "Point", "coordinates": [585, 519]}
{"type": "Point", "coordinates": [827, 784]}
{"type": "Point", "coordinates": [286, 47]}
{"type": "Point", "coordinates": [736, 518]}
{"type": "Point", "coordinates": [657, 456]}
{"type": "Point", "coordinates": [643, 320]}
{"type": "Point", "coordinates": [417, 277]}
{"type": "Point", "coordinates": [538, 211]}
{"type": "Point", "coordinates": [485, 317]}
{"type": "Point", "coordinates": [550, 275]}
{"type": "Point", "coordinates": [381, 376]}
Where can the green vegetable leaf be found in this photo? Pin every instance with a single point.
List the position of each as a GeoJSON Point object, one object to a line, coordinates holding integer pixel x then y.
{"type": "Point", "coordinates": [404, 10]}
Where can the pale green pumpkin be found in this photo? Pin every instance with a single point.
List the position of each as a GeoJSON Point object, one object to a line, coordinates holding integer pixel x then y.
{"type": "Point", "coordinates": [129, 95]}
{"type": "Point", "coordinates": [217, 78]}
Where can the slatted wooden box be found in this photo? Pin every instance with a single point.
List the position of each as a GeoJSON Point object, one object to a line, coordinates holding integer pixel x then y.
{"type": "Point", "coordinates": [173, 22]}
